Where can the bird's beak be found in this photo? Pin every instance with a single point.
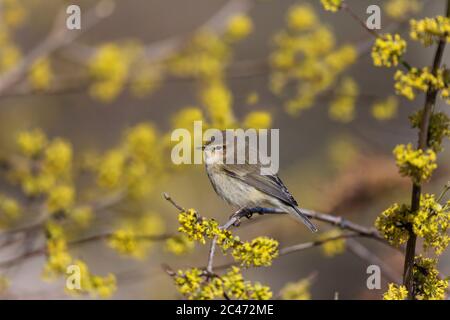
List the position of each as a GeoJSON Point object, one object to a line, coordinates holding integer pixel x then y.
{"type": "Point", "coordinates": [200, 148]}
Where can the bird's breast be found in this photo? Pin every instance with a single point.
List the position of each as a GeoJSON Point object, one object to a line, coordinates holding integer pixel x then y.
{"type": "Point", "coordinates": [232, 190]}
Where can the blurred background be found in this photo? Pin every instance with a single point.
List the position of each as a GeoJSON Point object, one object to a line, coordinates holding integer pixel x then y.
{"type": "Point", "coordinates": [341, 166]}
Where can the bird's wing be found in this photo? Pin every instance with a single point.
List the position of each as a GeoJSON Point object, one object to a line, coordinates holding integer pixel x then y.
{"type": "Point", "coordinates": [268, 184]}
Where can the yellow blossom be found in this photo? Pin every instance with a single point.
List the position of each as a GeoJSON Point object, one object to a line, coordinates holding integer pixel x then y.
{"type": "Point", "coordinates": [301, 17]}
{"type": "Point", "coordinates": [31, 143]}
{"type": "Point", "coordinates": [385, 110]}
{"type": "Point", "coordinates": [218, 101]}
{"type": "Point", "coordinates": [333, 247]}
{"type": "Point", "coordinates": [60, 198]}
{"type": "Point", "coordinates": [332, 5]}
{"type": "Point", "coordinates": [258, 120]}
{"type": "Point", "coordinates": [388, 50]}
{"type": "Point", "coordinates": [82, 215]}
{"type": "Point", "coordinates": [239, 27]}
{"type": "Point", "coordinates": [14, 13]}
{"type": "Point", "coordinates": [258, 252]}
{"type": "Point", "coordinates": [179, 245]}
{"type": "Point", "coordinates": [58, 157]}
{"type": "Point", "coordinates": [299, 290]}
{"type": "Point", "coordinates": [185, 117]}
{"type": "Point", "coordinates": [396, 292]}
{"type": "Point", "coordinates": [417, 164]}
{"type": "Point", "coordinates": [110, 170]}
{"type": "Point", "coordinates": [342, 108]}
{"type": "Point", "coordinates": [431, 30]}
{"type": "Point", "coordinates": [109, 67]}
{"type": "Point", "coordinates": [10, 55]}
{"type": "Point", "coordinates": [428, 284]}
{"type": "Point", "coordinates": [141, 140]}
{"type": "Point", "coordinates": [41, 74]}
{"type": "Point", "coordinates": [10, 210]}
{"type": "Point", "coordinates": [401, 9]}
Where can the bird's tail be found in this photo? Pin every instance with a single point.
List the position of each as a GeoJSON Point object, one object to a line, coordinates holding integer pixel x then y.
{"type": "Point", "coordinates": [303, 218]}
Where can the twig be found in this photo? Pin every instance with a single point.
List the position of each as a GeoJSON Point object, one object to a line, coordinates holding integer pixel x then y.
{"type": "Point", "coordinates": [103, 236]}
{"type": "Point", "coordinates": [57, 38]}
{"type": "Point", "coordinates": [363, 253]}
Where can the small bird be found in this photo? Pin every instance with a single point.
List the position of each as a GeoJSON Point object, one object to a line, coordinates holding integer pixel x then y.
{"type": "Point", "coordinates": [243, 186]}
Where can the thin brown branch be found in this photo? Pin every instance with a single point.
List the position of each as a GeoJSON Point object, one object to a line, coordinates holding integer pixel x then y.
{"type": "Point", "coordinates": [59, 37]}
{"type": "Point", "coordinates": [365, 254]}
{"type": "Point", "coordinates": [73, 243]}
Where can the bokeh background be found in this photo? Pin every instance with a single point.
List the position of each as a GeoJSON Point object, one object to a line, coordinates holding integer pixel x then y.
{"type": "Point", "coordinates": [344, 169]}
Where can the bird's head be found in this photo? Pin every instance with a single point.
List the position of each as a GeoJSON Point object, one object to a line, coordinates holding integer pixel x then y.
{"type": "Point", "coordinates": [214, 152]}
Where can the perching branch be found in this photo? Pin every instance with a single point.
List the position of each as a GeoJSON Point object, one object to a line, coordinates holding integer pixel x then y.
{"type": "Point", "coordinates": [358, 230]}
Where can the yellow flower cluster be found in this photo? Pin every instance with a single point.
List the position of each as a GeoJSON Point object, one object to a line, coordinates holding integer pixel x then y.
{"type": "Point", "coordinates": [439, 128]}
{"type": "Point", "coordinates": [334, 247]}
{"type": "Point", "coordinates": [10, 53]}
{"type": "Point", "coordinates": [205, 57]}
{"type": "Point", "coordinates": [10, 210]}
{"type": "Point", "coordinates": [387, 50]}
{"type": "Point", "coordinates": [217, 99]}
{"type": "Point", "coordinates": [81, 216]}
{"type": "Point", "coordinates": [431, 222]}
{"type": "Point", "coordinates": [135, 164]}
{"type": "Point", "coordinates": [396, 292]}
{"type": "Point", "coordinates": [179, 245]}
{"type": "Point", "coordinates": [146, 78]}
{"type": "Point", "coordinates": [198, 285]}
{"type": "Point", "coordinates": [299, 290]}
{"type": "Point", "coordinates": [186, 117]}
{"type": "Point", "coordinates": [109, 68]}
{"type": "Point", "coordinates": [258, 252]}
{"type": "Point", "coordinates": [342, 108]}
{"type": "Point", "coordinates": [416, 164]}
{"type": "Point", "coordinates": [46, 169]}
{"type": "Point", "coordinates": [392, 223]}
{"type": "Point", "coordinates": [200, 229]}
{"type": "Point", "coordinates": [421, 80]}
{"type": "Point", "coordinates": [332, 5]}
{"type": "Point", "coordinates": [427, 283]}
{"type": "Point", "coordinates": [134, 238]}
{"type": "Point", "coordinates": [104, 287]}
{"type": "Point", "coordinates": [385, 110]}
{"type": "Point", "coordinates": [31, 143]}
{"type": "Point", "coordinates": [308, 57]}
{"type": "Point", "coordinates": [41, 74]}
{"type": "Point", "coordinates": [59, 259]}
{"type": "Point", "coordinates": [258, 120]}
{"type": "Point", "coordinates": [301, 17]}
{"type": "Point", "coordinates": [401, 9]}
{"type": "Point", "coordinates": [14, 13]}
{"type": "Point", "coordinates": [60, 198]}
{"type": "Point", "coordinates": [430, 30]}
{"type": "Point", "coordinates": [239, 27]}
